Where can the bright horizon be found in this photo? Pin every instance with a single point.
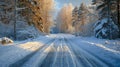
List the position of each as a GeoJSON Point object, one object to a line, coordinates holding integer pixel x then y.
{"type": "Point", "coordinates": [60, 3]}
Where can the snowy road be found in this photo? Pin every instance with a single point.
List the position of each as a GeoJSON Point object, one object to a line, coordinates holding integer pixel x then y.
{"type": "Point", "coordinates": [60, 51]}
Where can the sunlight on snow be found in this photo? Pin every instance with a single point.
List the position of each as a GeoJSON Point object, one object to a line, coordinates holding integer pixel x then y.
{"type": "Point", "coordinates": [31, 46]}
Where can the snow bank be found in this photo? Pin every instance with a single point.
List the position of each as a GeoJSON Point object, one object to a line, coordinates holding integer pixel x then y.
{"type": "Point", "coordinates": [29, 32]}
{"type": "Point", "coordinates": [107, 50]}
{"type": "Point", "coordinates": [110, 45]}
{"type": "Point", "coordinates": [23, 30]}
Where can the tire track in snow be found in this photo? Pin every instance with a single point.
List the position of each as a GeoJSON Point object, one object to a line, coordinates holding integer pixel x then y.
{"type": "Point", "coordinates": [79, 57]}
{"type": "Point", "coordinates": [116, 59]}
{"type": "Point", "coordinates": [69, 60]}
{"type": "Point", "coordinates": [20, 62]}
{"type": "Point", "coordinates": [75, 61]}
{"type": "Point", "coordinates": [60, 52]}
{"type": "Point", "coordinates": [39, 57]}
{"type": "Point", "coordinates": [11, 48]}
{"type": "Point", "coordinates": [64, 56]}
{"type": "Point", "coordinates": [50, 56]}
{"type": "Point", "coordinates": [86, 57]}
{"type": "Point", "coordinates": [17, 52]}
{"type": "Point", "coordinates": [59, 57]}
{"type": "Point", "coordinates": [57, 54]}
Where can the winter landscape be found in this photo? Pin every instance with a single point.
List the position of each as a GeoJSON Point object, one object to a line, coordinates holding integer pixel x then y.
{"type": "Point", "coordinates": [59, 33]}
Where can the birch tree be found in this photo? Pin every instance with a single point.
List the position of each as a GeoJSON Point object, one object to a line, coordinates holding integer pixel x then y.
{"type": "Point", "coordinates": [64, 19]}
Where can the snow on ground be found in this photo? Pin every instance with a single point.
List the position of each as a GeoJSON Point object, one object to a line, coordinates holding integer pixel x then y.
{"type": "Point", "coordinates": [106, 50]}
{"type": "Point", "coordinates": [12, 53]}
{"type": "Point", "coordinates": [61, 50]}
{"type": "Point", "coordinates": [60, 36]}
{"type": "Point", "coordinates": [110, 45]}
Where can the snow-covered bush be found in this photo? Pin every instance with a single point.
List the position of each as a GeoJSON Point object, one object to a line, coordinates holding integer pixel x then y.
{"type": "Point", "coordinates": [105, 29]}
{"type": "Point", "coordinates": [5, 40]}
{"type": "Point", "coordinates": [24, 31]}
{"type": "Point", "coordinates": [6, 30]}
{"type": "Point", "coordinates": [29, 32]}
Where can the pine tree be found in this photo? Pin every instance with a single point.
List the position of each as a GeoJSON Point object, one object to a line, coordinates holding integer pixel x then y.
{"type": "Point", "coordinates": [38, 12]}
{"type": "Point", "coordinates": [75, 20]}
{"type": "Point", "coordinates": [83, 13]}
{"type": "Point", "coordinates": [118, 13]}
{"type": "Point", "coordinates": [15, 18]}
{"type": "Point", "coordinates": [8, 13]}
{"type": "Point", "coordinates": [75, 15]}
{"type": "Point", "coordinates": [31, 13]}
{"type": "Point", "coordinates": [106, 19]}
{"type": "Point", "coordinates": [80, 18]}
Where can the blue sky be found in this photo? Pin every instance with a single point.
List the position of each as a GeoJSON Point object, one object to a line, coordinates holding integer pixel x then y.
{"type": "Point", "coordinates": [60, 3]}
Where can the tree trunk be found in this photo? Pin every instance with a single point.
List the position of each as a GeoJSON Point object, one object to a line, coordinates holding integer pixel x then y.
{"type": "Point", "coordinates": [109, 14]}
{"type": "Point", "coordinates": [15, 19]}
{"type": "Point", "coordinates": [118, 11]}
{"type": "Point", "coordinates": [118, 14]}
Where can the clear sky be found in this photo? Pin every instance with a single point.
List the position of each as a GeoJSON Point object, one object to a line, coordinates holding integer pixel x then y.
{"type": "Point", "coordinates": [60, 3]}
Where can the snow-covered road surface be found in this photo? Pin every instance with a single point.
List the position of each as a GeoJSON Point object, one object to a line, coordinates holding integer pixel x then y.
{"type": "Point", "coordinates": [61, 50]}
